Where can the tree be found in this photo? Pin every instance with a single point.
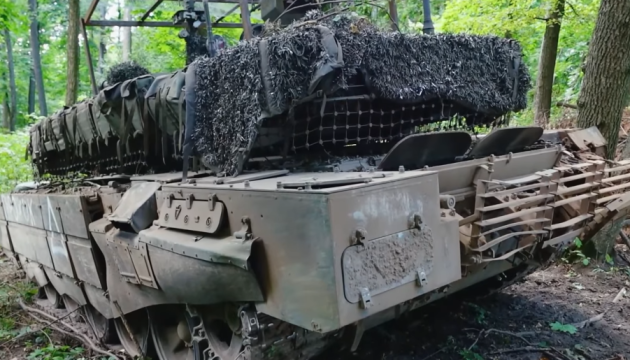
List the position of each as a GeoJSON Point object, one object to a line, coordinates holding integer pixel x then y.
{"type": "Point", "coordinates": [31, 92]}
{"type": "Point", "coordinates": [126, 32]}
{"type": "Point", "coordinates": [102, 46]}
{"type": "Point", "coordinates": [36, 58]}
{"type": "Point", "coordinates": [12, 91]}
{"type": "Point", "coordinates": [547, 64]}
{"type": "Point", "coordinates": [607, 76]}
{"type": "Point", "coordinates": [72, 49]}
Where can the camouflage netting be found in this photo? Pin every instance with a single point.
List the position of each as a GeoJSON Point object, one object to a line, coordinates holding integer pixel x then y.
{"type": "Point", "coordinates": [233, 96]}
{"type": "Point", "coordinates": [124, 71]}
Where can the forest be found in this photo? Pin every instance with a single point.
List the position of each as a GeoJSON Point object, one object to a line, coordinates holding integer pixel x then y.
{"type": "Point", "coordinates": [571, 307]}
{"type": "Point", "coordinates": [43, 64]}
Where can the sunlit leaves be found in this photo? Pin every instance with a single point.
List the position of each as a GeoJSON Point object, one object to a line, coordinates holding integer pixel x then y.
{"type": "Point", "coordinates": [13, 167]}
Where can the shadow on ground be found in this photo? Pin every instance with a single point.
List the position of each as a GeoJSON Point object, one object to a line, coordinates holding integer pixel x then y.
{"type": "Point", "coordinates": [560, 294]}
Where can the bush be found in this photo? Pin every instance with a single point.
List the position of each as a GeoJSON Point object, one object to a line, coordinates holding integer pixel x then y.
{"type": "Point", "coordinates": [14, 168]}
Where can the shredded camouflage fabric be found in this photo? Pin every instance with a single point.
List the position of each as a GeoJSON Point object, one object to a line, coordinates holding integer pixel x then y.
{"type": "Point", "coordinates": [124, 71]}
{"type": "Point", "coordinates": [234, 95]}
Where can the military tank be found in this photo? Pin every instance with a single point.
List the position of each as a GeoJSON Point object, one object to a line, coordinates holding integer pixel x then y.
{"type": "Point", "coordinates": [288, 193]}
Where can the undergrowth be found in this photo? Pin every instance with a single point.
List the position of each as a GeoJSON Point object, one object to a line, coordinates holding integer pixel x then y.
{"type": "Point", "coordinates": [17, 330]}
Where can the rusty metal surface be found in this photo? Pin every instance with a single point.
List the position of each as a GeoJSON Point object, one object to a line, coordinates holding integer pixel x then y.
{"type": "Point", "coordinates": [138, 206]}
{"type": "Point", "coordinates": [66, 286]}
{"type": "Point", "coordinates": [87, 267]}
{"type": "Point", "coordinates": [31, 243]}
{"type": "Point", "coordinates": [5, 239]}
{"type": "Point", "coordinates": [59, 252]}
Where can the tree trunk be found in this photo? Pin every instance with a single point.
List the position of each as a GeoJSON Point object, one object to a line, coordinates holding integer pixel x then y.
{"type": "Point", "coordinates": [547, 64]}
{"type": "Point", "coordinates": [607, 76]}
{"type": "Point", "coordinates": [5, 112]}
{"type": "Point", "coordinates": [102, 48]}
{"type": "Point", "coordinates": [12, 90]}
{"type": "Point", "coordinates": [72, 49]}
{"type": "Point", "coordinates": [126, 32]}
{"type": "Point", "coordinates": [31, 92]}
{"type": "Point", "coordinates": [35, 57]}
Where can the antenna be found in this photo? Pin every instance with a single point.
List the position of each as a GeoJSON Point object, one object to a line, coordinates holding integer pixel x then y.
{"type": "Point", "coordinates": [427, 26]}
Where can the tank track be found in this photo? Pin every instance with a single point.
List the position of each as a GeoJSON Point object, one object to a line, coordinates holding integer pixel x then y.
{"type": "Point", "coordinates": [264, 338]}
{"type": "Point", "coordinates": [280, 340]}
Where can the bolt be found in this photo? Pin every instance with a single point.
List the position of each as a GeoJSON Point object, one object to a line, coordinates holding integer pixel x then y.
{"type": "Point", "coordinates": [442, 214]}
{"type": "Point", "coordinates": [279, 185]}
{"type": "Point", "coordinates": [401, 169]}
{"type": "Point", "coordinates": [246, 183]}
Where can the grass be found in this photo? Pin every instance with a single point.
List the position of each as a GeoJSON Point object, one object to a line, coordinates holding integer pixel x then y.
{"type": "Point", "coordinates": [18, 333]}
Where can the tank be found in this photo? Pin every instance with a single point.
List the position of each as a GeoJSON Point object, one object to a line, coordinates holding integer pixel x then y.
{"type": "Point", "coordinates": [309, 217]}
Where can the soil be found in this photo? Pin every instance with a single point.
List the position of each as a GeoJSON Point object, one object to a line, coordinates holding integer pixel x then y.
{"type": "Point", "coordinates": [518, 317]}
{"type": "Point", "coordinates": [462, 327]}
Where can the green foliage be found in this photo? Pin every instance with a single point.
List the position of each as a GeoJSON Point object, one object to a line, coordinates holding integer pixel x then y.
{"type": "Point", "coordinates": [609, 260]}
{"type": "Point", "coordinates": [470, 355]}
{"type": "Point", "coordinates": [577, 254]}
{"type": "Point", "coordinates": [13, 166]}
{"type": "Point", "coordinates": [524, 21]}
{"type": "Point", "coordinates": [480, 313]}
{"type": "Point", "coordinates": [56, 352]}
{"type": "Point", "coordinates": [161, 50]}
{"type": "Point", "coordinates": [565, 328]}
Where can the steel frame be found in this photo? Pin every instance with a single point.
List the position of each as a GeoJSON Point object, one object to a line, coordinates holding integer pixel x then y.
{"type": "Point", "coordinates": [87, 21]}
{"type": "Point", "coordinates": [245, 23]}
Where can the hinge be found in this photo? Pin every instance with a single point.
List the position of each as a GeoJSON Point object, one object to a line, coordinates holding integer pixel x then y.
{"type": "Point", "coordinates": [421, 278]}
{"type": "Point", "coordinates": [357, 236]}
{"type": "Point", "coordinates": [366, 298]}
{"type": "Point", "coordinates": [415, 221]}
{"type": "Point", "coordinates": [212, 201]}
{"type": "Point", "coordinates": [189, 201]}
{"type": "Point", "coordinates": [245, 233]}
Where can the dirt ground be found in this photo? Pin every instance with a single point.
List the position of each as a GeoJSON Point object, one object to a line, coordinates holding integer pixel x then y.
{"type": "Point", "coordinates": [516, 322]}
{"type": "Point", "coordinates": [512, 324]}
